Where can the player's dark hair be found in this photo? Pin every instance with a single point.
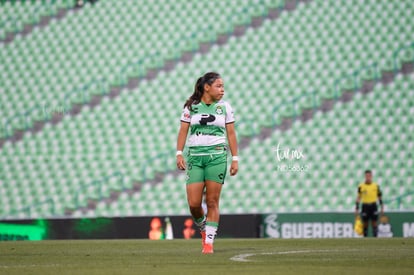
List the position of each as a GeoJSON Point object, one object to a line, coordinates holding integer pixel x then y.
{"type": "Point", "coordinates": [368, 172]}
{"type": "Point", "coordinates": [195, 98]}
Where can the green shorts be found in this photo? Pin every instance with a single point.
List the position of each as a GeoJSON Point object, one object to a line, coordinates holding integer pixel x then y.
{"type": "Point", "coordinates": [207, 167]}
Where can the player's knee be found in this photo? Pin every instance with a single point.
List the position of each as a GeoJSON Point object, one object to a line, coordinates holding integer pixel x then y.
{"type": "Point", "coordinates": [212, 203]}
{"type": "Point", "coordinates": [194, 201]}
{"type": "Point", "coordinates": [195, 207]}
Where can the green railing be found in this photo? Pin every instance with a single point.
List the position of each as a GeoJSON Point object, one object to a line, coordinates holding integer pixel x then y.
{"type": "Point", "coordinates": [293, 107]}
{"type": "Point", "coordinates": [402, 55]}
{"type": "Point", "coordinates": [354, 81]}
{"type": "Point", "coordinates": [398, 199]}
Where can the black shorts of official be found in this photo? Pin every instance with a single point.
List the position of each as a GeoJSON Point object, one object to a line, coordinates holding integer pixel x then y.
{"type": "Point", "coordinates": [369, 212]}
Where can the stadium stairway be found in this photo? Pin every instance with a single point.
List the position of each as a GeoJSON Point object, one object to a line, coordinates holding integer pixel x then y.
{"type": "Point", "coordinates": [326, 105]}
{"type": "Point", "coordinates": [144, 193]}
{"type": "Point", "coordinates": [157, 185]}
{"type": "Point", "coordinates": [204, 48]}
{"type": "Point", "coordinates": [336, 167]}
{"type": "Point", "coordinates": [15, 127]}
{"type": "Point", "coordinates": [21, 17]}
{"type": "Point", "coordinates": [47, 195]}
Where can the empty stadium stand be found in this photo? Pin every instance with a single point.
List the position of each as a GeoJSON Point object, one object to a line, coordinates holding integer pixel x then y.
{"type": "Point", "coordinates": [116, 157]}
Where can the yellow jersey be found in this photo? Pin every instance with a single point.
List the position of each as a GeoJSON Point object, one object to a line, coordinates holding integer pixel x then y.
{"type": "Point", "coordinates": [369, 193]}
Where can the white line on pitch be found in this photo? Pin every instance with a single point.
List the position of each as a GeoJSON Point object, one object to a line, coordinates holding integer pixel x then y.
{"type": "Point", "coordinates": [243, 257]}
{"type": "Point", "coordinates": [28, 265]}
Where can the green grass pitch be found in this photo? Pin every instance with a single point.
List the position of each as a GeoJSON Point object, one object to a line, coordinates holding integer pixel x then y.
{"type": "Point", "coordinates": [232, 256]}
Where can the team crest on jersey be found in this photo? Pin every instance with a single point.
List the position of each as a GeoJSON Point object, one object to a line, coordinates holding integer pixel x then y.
{"type": "Point", "coordinates": [219, 110]}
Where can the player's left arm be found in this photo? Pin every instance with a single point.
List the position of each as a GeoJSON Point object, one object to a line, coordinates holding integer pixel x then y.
{"type": "Point", "coordinates": [358, 201]}
{"type": "Point", "coordinates": [232, 140]}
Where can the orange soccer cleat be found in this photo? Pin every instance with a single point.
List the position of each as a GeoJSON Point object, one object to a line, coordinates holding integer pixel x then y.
{"type": "Point", "coordinates": [208, 248]}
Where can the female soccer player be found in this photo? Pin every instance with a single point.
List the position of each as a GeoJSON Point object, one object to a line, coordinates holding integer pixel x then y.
{"type": "Point", "coordinates": [209, 119]}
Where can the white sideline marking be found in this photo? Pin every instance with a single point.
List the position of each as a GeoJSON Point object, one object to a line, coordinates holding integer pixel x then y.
{"type": "Point", "coordinates": [243, 257]}
{"type": "Point", "coordinates": [28, 265]}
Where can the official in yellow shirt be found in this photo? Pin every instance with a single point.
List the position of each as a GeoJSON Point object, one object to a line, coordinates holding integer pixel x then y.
{"type": "Point", "coordinates": [369, 194]}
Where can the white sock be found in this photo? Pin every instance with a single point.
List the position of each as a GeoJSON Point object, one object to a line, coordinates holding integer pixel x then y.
{"type": "Point", "coordinates": [211, 231]}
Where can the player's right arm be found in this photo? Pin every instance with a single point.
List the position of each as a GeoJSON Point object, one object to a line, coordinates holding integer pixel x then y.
{"type": "Point", "coordinates": [182, 137]}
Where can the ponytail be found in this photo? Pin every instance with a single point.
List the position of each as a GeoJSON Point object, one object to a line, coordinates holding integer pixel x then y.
{"type": "Point", "coordinates": [195, 98]}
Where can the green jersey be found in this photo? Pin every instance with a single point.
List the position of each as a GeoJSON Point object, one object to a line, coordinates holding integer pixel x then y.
{"type": "Point", "coordinates": [208, 123]}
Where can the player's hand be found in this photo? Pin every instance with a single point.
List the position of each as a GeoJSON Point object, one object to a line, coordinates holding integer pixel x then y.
{"type": "Point", "coordinates": [356, 212]}
{"type": "Point", "coordinates": [234, 168]}
{"type": "Point", "coordinates": [180, 162]}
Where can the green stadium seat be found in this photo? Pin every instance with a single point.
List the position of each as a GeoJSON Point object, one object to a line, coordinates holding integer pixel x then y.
{"type": "Point", "coordinates": [267, 65]}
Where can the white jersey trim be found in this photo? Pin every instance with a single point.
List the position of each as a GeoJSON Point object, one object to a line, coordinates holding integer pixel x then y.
{"type": "Point", "coordinates": [205, 140]}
